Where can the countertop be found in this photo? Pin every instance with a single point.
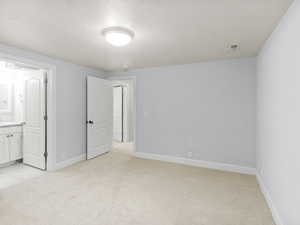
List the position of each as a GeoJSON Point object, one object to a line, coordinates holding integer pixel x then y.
{"type": "Point", "coordinates": [11, 124]}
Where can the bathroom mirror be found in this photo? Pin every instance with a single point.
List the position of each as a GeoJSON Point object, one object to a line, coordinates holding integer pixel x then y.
{"type": "Point", "coordinates": [5, 97]}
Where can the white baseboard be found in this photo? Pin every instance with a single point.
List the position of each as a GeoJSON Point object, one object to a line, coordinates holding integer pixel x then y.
{"type": "Point", "coordinates": [70, 162]}
{"type": "Point", "coordinates": [198, 163]}
{"type": "Point", "coordinates": [268, 198]}
{"type": "Point", "coordinates": [7, 164]}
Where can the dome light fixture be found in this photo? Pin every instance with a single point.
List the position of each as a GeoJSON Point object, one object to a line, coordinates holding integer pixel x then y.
{"type": "Point", "coordinates": [118, 36]}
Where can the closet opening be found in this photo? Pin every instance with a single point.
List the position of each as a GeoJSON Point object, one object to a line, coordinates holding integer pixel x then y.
{"type": "Point", "coordinates": [23, 121]}
{"type": "Point", "coordinates": [123, 115]}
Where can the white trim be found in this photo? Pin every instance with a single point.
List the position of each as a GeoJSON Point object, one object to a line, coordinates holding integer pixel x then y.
{"type": "Point", "coordinates": [198, 163]}
{"type": "Point", "coordinates": [51, 135]}
{"type": "Point", "coordinates": [2, 165]}
{"type": "Point", "coordinates": [51, 132]}
{"type": "Point", "coordinates": [70, 161]}
{"type": "Point", "coordinates": [269, 200]}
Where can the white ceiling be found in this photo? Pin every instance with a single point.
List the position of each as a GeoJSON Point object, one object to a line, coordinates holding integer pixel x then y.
{"type": "Point", "coordinates": [166, 31]}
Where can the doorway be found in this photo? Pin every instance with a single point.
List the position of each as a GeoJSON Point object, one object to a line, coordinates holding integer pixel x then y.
{"type": "Point", "coordinates": [123, 115]}
{"type": "Point", "coordinates": [119, 113]}
{"type": "Point", "coordinates": [23, 121]}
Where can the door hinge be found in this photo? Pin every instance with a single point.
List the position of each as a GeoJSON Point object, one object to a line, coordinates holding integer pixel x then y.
{"type": "Point", "coordinates": [46, 80]}
{"type": "Point", "coordinates": [45, 154]}
{"type": "Point", "coordinates": [45, 117]}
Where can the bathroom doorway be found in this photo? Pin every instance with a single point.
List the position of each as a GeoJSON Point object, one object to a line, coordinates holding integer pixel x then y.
{"type": "Point", "coordinates": [23, 121]}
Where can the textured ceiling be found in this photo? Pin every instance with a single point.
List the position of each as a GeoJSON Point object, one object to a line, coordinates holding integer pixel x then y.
{"type": "Point", "coordinates": [166, 31]}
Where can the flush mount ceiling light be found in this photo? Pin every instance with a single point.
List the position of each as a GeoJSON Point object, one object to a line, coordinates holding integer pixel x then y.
{"type": "Point", "coordinates": [118, 36]}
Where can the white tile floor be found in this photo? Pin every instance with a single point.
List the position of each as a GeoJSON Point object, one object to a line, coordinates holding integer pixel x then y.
{"type": "Point", "coordinates": [17, 173]}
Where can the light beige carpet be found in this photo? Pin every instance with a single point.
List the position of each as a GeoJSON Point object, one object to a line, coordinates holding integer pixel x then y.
{"type": "Point", "coordinates": [119, 189]}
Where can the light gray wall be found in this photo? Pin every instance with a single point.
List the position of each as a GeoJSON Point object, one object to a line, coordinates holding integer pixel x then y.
{"type": "Point", "coordinates": [207, 109]}
{"type": "Point", "coordinates": [278, 139]}
{"type": "Point", "coordinates": [70, 102]}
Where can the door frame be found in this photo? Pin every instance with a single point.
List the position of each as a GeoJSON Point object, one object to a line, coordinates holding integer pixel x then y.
{"type": "Point", "coordinates": [134, 121]}
{"type": "Point", "coordinates": [50, 131]}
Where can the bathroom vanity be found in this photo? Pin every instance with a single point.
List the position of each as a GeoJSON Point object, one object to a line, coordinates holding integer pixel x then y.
{"type": "Point", "coordinates": [10, 141]}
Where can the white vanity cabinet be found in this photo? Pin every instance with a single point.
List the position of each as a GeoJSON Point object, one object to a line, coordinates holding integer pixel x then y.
{"type": "Point", "coordinates": [4, 153]}
{"type": "Point", "coordinates": [10, 144]}
{"type": "Point", "coordinates": [15, 146]}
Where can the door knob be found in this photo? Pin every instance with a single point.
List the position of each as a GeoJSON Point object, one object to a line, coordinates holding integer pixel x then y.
{"type": "Point", "coordinates": [90, 122]}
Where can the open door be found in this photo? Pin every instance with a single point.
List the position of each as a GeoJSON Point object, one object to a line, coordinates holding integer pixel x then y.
{"type": "Point", "coordinates": [35, 111]}
{"type": "Point", "coordinates": [99, 116]}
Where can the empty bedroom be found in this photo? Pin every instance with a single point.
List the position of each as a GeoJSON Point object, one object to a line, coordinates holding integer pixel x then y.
{"type": "Point", "coordinates": [158, 112]}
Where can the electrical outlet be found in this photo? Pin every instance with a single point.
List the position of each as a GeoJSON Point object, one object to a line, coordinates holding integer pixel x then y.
{"type": "Point", "coordinates": [190, 154]}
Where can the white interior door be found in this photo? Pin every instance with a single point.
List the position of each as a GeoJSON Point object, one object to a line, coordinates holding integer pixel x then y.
{"type": "Point", "coordinates": [34, 128]}
{"type": "Point", "coordinates": [117, 113]}
{"type": "Point", "coordinates": [99, 116]}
